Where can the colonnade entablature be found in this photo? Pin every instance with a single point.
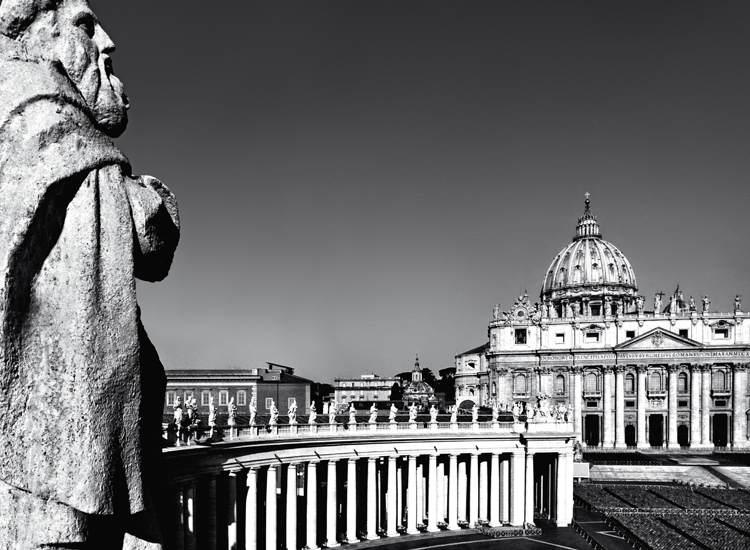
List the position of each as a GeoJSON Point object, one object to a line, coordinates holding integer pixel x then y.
{"type": "Point", "coordinates": [297, 492]}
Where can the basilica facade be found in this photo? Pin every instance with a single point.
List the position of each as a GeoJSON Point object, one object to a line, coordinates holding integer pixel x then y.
{"type": "Point", "coordinates": [674, 376]}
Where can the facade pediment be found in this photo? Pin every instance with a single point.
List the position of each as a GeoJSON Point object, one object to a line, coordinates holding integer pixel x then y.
{"type": "Point", "coordinates": [658, 338]}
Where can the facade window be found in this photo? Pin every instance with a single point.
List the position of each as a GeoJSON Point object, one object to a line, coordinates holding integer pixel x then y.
{"type": "Point", "coordinates": [721, 403]}
{"type": "Point", "coordinates": [719, 381]}
{"type": "Point", "coordinates": [519, 384]}
{"type": "Point", "coordinates": [291, 401]}
{"type": "Point", "coordinates": [520, 336]}
{"type": "Point", "coordinates": [654, 382]}
{"type": "Point", "coordinates": [375, 396]}
{"type": "Point", "coordinates": [683, 332]}
{"type": "Point", "coordinates": [596, 309]}
{"type": "Point", "coordinates": [590, 383]}
{"type": "Point", "coordinates": [205, 398]}
{"type": "Point", "coordinates": [494, 389]}
{"type": "Point", "coordinates": [682, 382]}
{"type": "Point", "coordinates": [721, 333]}
{"type": "Point", "coordinates": [592, 337]}
{"type": "Point", "coordinates": [171, 398]}
{"type": "Point", "coordinates": [630, 404]}
{"type": "Point", "coordinates": [269, 401]}
{"type": "Point", "coordinates": [560, 384]}
{"type": "Point", "coordinates": [592, 404]}
{"type": "Point", "coordinates": [629, 334]}
{"type": "Point", "coordinates": [560, 338]}
{"type": "Point", "coordinates": [629, 383]}
{"type": "Point", "coordinates": [241, 398]}
{"type": "Point", "coordinates": [223, 397]}
{"type": "Point", "coordinates": [682, 403]}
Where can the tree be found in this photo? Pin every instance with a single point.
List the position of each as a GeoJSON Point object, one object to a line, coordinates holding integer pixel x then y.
{"type": "Point", "coordinates": [397, 392]}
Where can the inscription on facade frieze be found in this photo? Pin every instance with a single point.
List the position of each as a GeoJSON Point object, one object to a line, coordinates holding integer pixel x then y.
{"type": "Point", "coordinates": [595, 357]}
{"type": "Point", "coordinates": [683, 354]}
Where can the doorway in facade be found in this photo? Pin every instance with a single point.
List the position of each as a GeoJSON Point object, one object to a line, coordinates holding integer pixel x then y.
{"type": "Point", "coordinates": [630, 435]}
{"type": "Point", "coordinates": [591, 430]}
{"type": "Point", "coordinates": [683, 436]}
{"type": "Point", "coordinates": [655, 430]}
{"type": "Point", "coordinates": [720, 423]}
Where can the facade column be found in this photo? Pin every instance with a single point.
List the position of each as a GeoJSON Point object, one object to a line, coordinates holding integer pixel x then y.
{"type": "Point", "coordinates": [672, 407]}
{"type": "Point", "coordinates": [453, 493]}
{"type": "Point", "coordinates": [575, 396]}
{"type": "Point", "coordinates": [372, 499]}
{"type": "Point", "coordinates": [291, 507]}
{"type": "Point", "coordinates": [483, 490]}
{"type": "Point", "coordinates": [505, 502]}
{"type": "Point", "coordinates": [209, 517]}
{"type": "Point", "coordinates": [271, 516]}
{"type": "Point", "coordinates": [392, 511]}
{"type": "Point", "coordinates": [312, 506]}
{"type": "Point", "coordinates": [351, 501]}
{"type": "Point", "coordinates": [440, 491]}
{"type": "Point", "coordinates": [232, 509]}
{"type": "Point", "coordinates": [420, 494]}
{"type": "Point", "coordinates": [251, 510]}
{"type": "Point", "coordinates": [642, 442]}
{"type": "Point", "coordinates": [495, 490]}
{"type": "Point", "coordinates": [411, 499]}
{"type": "Point", "coordinates": [474, 490]}
{"type": "Point", "coordinates": [695, 406]}
{"type": "Point", "coordinates": [620, 407]}
{"type": "Point", "coordinates": [432, 500]}
{"type": "Point", "coordinates": [607, 439]}
{"type": "Point", "coordinates": [739, 420]}
{"type": "Point", "coordinates": [517, 488]}
{"type": "Point", "coordinates": [561, 498]}
{"type": "Point", "coordinates": [332, 507]}
{"type": "Point", "coordinates": [706, 406]}
{"type": "Point", "coordinates": [529, 512]}
{"type": "Point", "coordinates": [462, 483]}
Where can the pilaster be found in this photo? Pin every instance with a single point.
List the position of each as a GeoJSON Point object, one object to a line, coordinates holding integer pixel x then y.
{"type": "Point", "coordinates": [672, 443]}
{"type": "Point", "coordinates": [619, 406]}
{"type": "Point", "coordinates": [642, 442]}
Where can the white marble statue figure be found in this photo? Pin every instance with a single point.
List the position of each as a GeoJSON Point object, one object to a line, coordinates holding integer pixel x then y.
{"type": "Point", "coordinates": [691, 304]}
{"type": "Point", "coordinates": [433, 413]}
{"type": "Point", "coordinates": [639, 304]}
{"type": "Point", "coordinates": [607, 306]}
{"type": "Point", "coordinates": [516, 410]}
{"type": "Point", "coordinates": [657, 302]}
{"type": "Point", "coordinates": [413, 412]}
{"type": "Point", "coordinates": [313, 413]}
{"type": "Point", "coordinates": [352, 414]}
{"type": "Point", "coordinates": [211, 413]}
{"type": "Point", "coordinates": [495, 412]}
{"type": "Point", "coordinates": [253, 412]}
{"type": "Point", "coordinates": [454, 414]}
{"type": "Point", "coordinates": [231, 413]}
{"type": "Point", "coordinates": [706, 302]}
{"type": "Point", "coordinates": [274, 414]}
{"type": "Point", "coordinates": [392, 413]}
{"type": "Point", "coordinates": [673, 304]}
{"type": "Point", "coordinates": [373, 414]}
{"type": "Point", "coordinates": [577, 452]}
{"type": "Point", "coordinates": [475, 413]}
{"type": "Point", "coordinates": [292, 412]}
{"type": "Point", "coordinates": [738, 302]}
{"type": "Point", "coordinates": [496, 312]}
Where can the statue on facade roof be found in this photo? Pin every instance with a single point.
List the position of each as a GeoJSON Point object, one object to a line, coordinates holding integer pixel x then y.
{"type": "Point", "coordinates": [352, 414]}
{"type": "Point", "coordinates": [211, 414]}
{"type": "Point", "coordinates": [413, 412]}
{"type": "Point", "coordinates": [454, 414]}
{"type": "Point", "coordinates": [274, 414]}
{"type": "Point", "coordinates": [738, 302]}
{"type": "Point", "coordinates": [253, 412]}
{"type": "Point", "coordinates": [607, 306]}
{"type": "Point", "coordinates": [231, 413]}
{"type": "Point", "coordinates": [313, 413]}
{"type": "Point", "coordinates": [706, 303]}
{"type": "Point", "coordinates": [475, 413]}
{"type": "Point", "coordinates": [657, 302]}
{"type": "Point", "coordinates": [639, 304]}
{"type": "Point", "coordinates": [496, 312]}
{"type": "Point", "coordinates": [373, 414]}
{"type": "Point", "coordinates": [392, 413]}
{"type": "Point", "coordinates": [433, 413]}
{"type": "Point", "coordinates": [292, 412]}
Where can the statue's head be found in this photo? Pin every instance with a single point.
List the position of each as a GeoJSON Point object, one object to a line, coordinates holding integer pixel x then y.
{"type": "Point", "coordinates": [67, 32]}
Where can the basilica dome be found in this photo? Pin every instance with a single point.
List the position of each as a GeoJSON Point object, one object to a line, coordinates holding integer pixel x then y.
{"type": "Point", "coordinates": [589, 276]}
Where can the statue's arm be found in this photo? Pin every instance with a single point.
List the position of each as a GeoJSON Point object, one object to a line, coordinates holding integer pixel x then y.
{"type": "Point", "coordinates": [157, 226]}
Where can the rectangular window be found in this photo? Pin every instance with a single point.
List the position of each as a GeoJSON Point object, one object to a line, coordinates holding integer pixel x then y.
{"type": "Point", "coordinates": [683, 332]}
{"type": "Point", "coordinates": [291, 401]}
{"type": "Point", "coordinates": [223, 397]}
{"type": "Point", "coordinates": [241, 398]}
{"type": "Point", "coordinates": [721, 403]}
{"type": "Point", "coordinates": [596, 309]}
{"type": "Point", "coordinates": [205, 398]}
{"type": "Point", "coordinates": [630, 404]}
{"type": "Point", "coordinates": [721, 333]}
{"type": "Point", "coordinates": [170, 398]}
{"type": "Point", "coordinates": [592, 337]}
{"type": "Point", "coordinates": [560, 338]}
{"type": "Point", "coordinates": [682, 403]}
{"type": "Point", "coordinates": [629, 334]}
{"type": "Point", "coordinates": [269, 400]}
{"type": "Point", "coordinates": [591, 404]}
{"type": "Point", "coordinates": [520, 336]}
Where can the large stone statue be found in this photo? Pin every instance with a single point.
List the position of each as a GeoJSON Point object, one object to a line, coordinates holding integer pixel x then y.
{"type": "Point", "coordinates": [81, 388]}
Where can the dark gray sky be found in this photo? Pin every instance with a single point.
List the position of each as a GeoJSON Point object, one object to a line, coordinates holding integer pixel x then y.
{"type": "Point", "coordinates": [361, 181]}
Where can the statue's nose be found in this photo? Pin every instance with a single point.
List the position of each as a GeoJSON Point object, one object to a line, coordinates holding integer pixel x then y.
{"type": "Point", "coordinates": [103, 40]}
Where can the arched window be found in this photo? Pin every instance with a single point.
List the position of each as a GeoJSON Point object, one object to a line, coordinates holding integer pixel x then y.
{"type": "Point", "coordinates": [611, 272]}
{"type": "Point", "coordinates": [682, 382]}
{"type": "Point", "coordinates": [630, 383]}
{"type": "Point", "coordinates": [654, 381]}
{"type": "Point", "coordinates": [595, 272]}
{"type": "Point", "coordinates": [519, 384]}
{"type": "Point", "coordinates": [561, 276]}
{"type": "Point", "coordinates": [494, 389]}
{"type": "Point", "coordinates": [591, 382]}
{"type": "Point", "coordinates": [719, 380]}
{"type": "Point", "coordinates": [577, 274]}
{"type": "Point", "coordinates": [559, 384]}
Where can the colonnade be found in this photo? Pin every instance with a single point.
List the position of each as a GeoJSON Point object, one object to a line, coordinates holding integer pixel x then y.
{"type": "Point", "coordinates": [344, 497]}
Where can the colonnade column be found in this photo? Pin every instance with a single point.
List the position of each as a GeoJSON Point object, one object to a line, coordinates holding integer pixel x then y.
{"type": "Point", "coordinates": [351, 501]}
{"type": "Point", "coordinates": [739, 420]}
{"type": "Point", "coordinates": [672, 407]}
{"type": "Point", "coordinates": [232, 509]}
{"type": "Point", "coordinates": [251, 510]}
{"type": "Point", "coordinates": [440, 492]}
{"type": "Point", "coordinates": [392, 512]}
{"type": "Point", "coordinates": [529, 487]}
{"type": "Point", "coordinates": [291, 507]}
{"type": "Point", "coordinates": [453, 493]}
{"type": "Point", "coordinates": [517, 488]}
{"type": "Point", "coordinates": [271, 518]}
{"type": "Point", "coordinates": [706, 405]}
{"type": "Point", "coordinates": [372, 499]}
{"type": "Point", "coordinates": [332, 507]}
{"type": "Point", "coordinates": [607, 440]}
{"type": "Point", "coordinates": [576, 401]}
{"type": "Point", "coordinates": [432, 482]}
{"type": "Point", "coordinates": [561, 502]}
{"type": "Point", "coordinates": [411, 500]}
{"type": "Point", "coordinates": [483, 487]}
{"type": "Point", "coordinates": [642, 443]}
{"type": "Point", "coordinates": [619, 406]}
{"type": "Point", "coordinates": [462, 482]}
{"type": "Point", "coordinates": [505, 488]}
{"type": "Point", "coordinates": [695, 406]}
{"type": "Point", "coordinates": [474, 489]}
{"type": "Point", "coordinates": [312, 506]}
{"type": "Point", "coordinates": [495, 490]}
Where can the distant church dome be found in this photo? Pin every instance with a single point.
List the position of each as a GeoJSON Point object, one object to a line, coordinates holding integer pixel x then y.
{"type": "Point", "coordinates": [590, 276]}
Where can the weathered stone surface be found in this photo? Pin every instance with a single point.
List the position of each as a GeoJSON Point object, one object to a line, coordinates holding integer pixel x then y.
{"type": "Point", "coordinates": [81, 386]}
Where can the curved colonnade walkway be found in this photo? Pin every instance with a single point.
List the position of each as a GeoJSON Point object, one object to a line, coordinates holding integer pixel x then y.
{"type": "Point", "coordinates": [293, 489]}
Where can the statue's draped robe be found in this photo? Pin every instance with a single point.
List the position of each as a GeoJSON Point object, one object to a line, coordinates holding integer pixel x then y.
{"type": "Point", "coordinates": [81, 387]}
